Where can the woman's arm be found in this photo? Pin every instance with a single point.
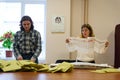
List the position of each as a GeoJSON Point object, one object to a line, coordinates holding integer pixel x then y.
{"type": "Point", "coordinates": [101, 46]}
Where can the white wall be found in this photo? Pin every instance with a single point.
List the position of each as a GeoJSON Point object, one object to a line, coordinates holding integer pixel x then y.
{"type": "Point", "coordinates": [104, 15]}
{"type": "Point", "coordinates": [77, 18]}
{"type": "Point", "coordinates": [55, 42]}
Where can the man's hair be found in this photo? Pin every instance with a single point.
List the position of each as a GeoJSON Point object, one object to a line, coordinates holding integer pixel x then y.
{"type": "Point", "coordinates": [26, 18]}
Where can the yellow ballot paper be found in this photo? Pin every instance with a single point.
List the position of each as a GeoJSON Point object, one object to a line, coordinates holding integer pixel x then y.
{"type": "Point", "coordinates": [107, 70]}
{"type": "Point", "coordinates": [11, 66]}
{"type": "Point", "coordinates": [62, 67]}
{"type": "Point", "coordinates": [26, 65]}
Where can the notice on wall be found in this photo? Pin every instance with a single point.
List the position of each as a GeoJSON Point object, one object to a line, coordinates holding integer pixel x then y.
{"type": "Point", "coordinates": [57, 24]}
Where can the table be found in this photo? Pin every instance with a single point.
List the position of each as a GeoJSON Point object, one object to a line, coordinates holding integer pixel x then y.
{"type": "Point", "coordinates": [76, 74]}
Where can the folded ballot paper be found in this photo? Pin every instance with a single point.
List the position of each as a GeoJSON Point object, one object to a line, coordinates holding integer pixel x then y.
{"type": "Point", "coordinates": [85, 65]}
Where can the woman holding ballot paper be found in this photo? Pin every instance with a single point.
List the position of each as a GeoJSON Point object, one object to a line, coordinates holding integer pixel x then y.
{"type": "Point", "coordinates": [86, 45]}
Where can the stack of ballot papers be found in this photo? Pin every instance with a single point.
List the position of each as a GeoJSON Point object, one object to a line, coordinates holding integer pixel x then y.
{"type": "Point", "coordinates": [83, 65]}
{"type": "Point", "coordinates": [107, 70]}
{"type": "Point", "coordinates": [90, 65]}
{"type": "Point", "coordinates": [28, 66]}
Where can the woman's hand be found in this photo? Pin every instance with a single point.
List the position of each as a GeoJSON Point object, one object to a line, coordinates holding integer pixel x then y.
{"type": "Point", "coordinates": [106, 44]}
{"type": "Point", "coordinates": [67, 40]}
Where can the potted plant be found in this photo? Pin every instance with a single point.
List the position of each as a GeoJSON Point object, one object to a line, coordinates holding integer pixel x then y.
{"type": "Point", "coordinates": [7, 39]}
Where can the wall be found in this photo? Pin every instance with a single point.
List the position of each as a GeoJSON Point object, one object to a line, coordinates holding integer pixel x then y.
{"type": "Point", "coordinates": [55, 42]}
{"type": "Point", "coordinates": [103, 16]}
{"type": "Point", "coordinates": [77, 12]}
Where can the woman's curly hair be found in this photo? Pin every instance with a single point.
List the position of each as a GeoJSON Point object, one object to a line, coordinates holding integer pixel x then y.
{"type": "Point", "coordinates": [89, 28]}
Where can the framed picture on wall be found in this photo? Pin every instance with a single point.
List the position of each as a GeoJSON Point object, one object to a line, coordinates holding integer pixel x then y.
{"type": "Point", "coordinates": [57, 24]}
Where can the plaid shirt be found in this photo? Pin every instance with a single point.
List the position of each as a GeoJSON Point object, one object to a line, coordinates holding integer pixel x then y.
{"type": "Point", "coordinates": [25, 43]}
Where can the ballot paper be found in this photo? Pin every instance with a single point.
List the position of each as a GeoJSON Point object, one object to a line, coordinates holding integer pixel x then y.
{"type": "Point", "coordinates": [27, 65]}
{"type": "Point", "coordinates": [85, 65]}
{"type": "Point", "coordinates": [107, 70]}
{"type": "Point", "coordinates": [80, 44]}
{"type": "Point", "coordinates": [90, 65]}
{"type": "Point", "coordinates": [86, 45]}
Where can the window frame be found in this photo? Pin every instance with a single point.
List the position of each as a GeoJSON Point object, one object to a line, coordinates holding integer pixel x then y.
{"type": "Point", "coordinates": [24, 2]}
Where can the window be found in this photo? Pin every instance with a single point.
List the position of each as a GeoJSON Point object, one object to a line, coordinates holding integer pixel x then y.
{"type": "Point", "coordinates": [11, 12]}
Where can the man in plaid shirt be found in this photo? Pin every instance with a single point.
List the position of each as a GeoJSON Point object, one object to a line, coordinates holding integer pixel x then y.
{"type": "Point", "coordinates": [27, 41]}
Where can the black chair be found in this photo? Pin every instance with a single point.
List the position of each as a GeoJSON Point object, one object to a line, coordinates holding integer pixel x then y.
{"type": "Point", "coordinates": [117, 46]}
{"type": "Point", "coordinates": [64, 60]}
